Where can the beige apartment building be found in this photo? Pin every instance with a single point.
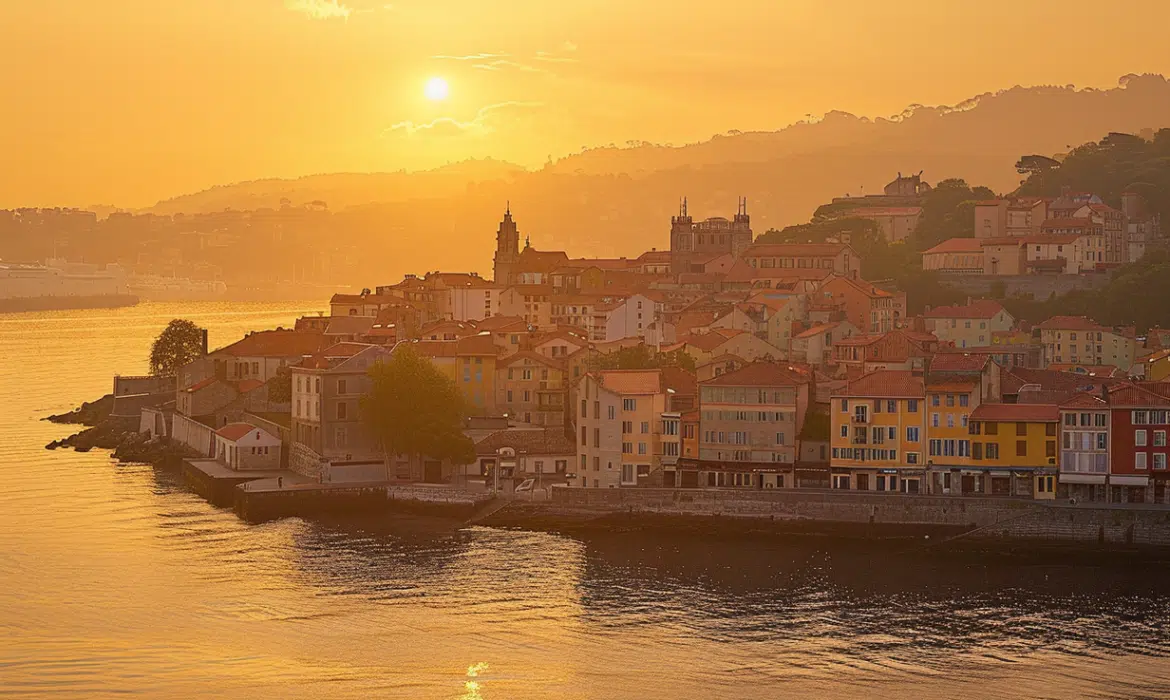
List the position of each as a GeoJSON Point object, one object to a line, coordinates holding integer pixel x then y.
{"type": "Point", "coordinates": [619, 424]}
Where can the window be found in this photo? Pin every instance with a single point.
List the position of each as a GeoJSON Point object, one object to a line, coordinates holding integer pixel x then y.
{"type": "Point", "coordinates": [950, 420]}
{"type": "Point", "coordinates": [877, 405]}
{"type": "Point", "coordinates": [964, 400]}
{"type": "Point", "coordinates": [610, 412]}
{"type": "Point", "coordinates": [628, 474]}
{"type": "Point", "coordinates": [844, 431]}
{"type": "Point", "coordinates": [964, 448]}
{"type": "Point", "coordinates": [584, 408]}
{"type": "Point", "coordinates": [1140, 417]}
{"type": "Point", "coordinates": [341, 409]}
{"type": "Point", "coordinates": [1021, 429]}
{"type": "Point", "coordinates": [891, 406]}
{"type": "Point", "coordinates": [912, 406]}
{"type": "Point", "coordinates": [1102, 441]}
{"type": "Point", "coordinates": [627, 448]}
{"type": "Point", "coordinates": [992, 450]}
{"type": "Point", "coordinates": [935, 400]}
{"type": "Point", "coordinates": [1050, 448]}
{"type": "Point", "coordinates": [950, 400]}
{"type": "Point", "coordinates": [844, 405]}
{"type": "Point", "coordinates": [645, 427]}
{"type": "Point", "coordinates": [1160, 461]}
{"type": "Point", "coordinates": [1070, 420]}
{"type": "Point", "coordinates": [629, 404]}
{"type": "Point", "coordinates": [1139, 438]}
{"type": "Point", "coordinates": [341, 386]}
{"type": "Point", "coordinates": [991, 428]}
{"type": "Point", "coordinates": [627, 427]}
{"type": "Point", "coordinates": [935, 448]}
{"type": "Point", "coordinates": [1159, 438]}
{"type": "Point", "coordinates": [1050, 429]}
{"type": "Point", "coordinates": [1139, 461]}
{"type": "Point", "coordinates": [912, 434]}
{"type": "Point", "coordinates": [977, 450]}
{"type": "Point", "coordinates": [911, 458]}
{"type": "Point", "coordinates": [641, 448]}
{"type": "Point", "coordinates": [1099, 420]}
{"type": "Point", "coordinates": [779, 438]}
{"type": "Point", "coordinates": [934, 420]}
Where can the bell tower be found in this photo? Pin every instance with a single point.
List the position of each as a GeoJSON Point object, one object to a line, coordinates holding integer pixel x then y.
{"type": "Point", "coordinates": [507, 249]}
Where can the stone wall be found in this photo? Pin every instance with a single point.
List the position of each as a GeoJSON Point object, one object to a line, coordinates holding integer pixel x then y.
{"type": "Point", "coordinates": [1036, 286]}
{"type": "Point", "coordinates": [193, 434]}
{"type": "Point", "coordinates": [125, 386]}
{"type": "Point", "coordinates": [305, 461]}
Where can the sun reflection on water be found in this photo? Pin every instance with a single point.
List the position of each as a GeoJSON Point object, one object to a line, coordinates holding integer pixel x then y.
{"type": "Point", "coordinates": [472, 686]}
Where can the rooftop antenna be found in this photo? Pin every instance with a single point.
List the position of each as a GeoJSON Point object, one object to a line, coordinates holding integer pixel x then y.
{"type": "Point", "coordinates": [684, 211]}
{"type": "Point", "coordinates": [508, 209]}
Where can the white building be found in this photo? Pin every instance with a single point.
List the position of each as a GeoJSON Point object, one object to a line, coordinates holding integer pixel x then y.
{"type": "Point", "coordinates": [242, 446]}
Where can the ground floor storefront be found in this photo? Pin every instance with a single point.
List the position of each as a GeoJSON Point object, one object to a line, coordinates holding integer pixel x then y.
{"type": "Point", "coordinates": [910, 480]}
{"type": "Point", "coordinates": [1113, 488]}
{"type": "Point", "coordinates": [1038, 483]}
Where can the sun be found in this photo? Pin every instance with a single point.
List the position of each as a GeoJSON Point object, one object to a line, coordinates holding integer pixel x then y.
{"type": "Point", "coordinates": [436, 89]}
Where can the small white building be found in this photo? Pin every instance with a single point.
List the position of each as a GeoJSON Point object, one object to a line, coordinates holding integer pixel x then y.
{"type": "Point", "coordinates": [242, 446]}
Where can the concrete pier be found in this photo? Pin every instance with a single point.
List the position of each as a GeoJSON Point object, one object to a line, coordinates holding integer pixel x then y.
{"type": "Point", "coordinates": [217, 483]}
{"type": "Point", "coordinates": [265, 499]}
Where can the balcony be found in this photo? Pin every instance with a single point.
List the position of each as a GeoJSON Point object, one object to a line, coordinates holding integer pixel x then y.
{"type": "Point", "coordinates": [861, 418]}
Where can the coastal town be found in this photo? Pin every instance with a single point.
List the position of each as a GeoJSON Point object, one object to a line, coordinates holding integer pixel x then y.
{"type": "Point", "coordinates": [717, 362]}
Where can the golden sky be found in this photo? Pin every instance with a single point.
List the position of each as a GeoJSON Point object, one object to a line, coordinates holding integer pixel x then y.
{"type": "Point", "coordinates": [129, 101]}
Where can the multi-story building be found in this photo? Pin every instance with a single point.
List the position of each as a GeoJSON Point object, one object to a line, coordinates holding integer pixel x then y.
{"type": "Point", "coordinates": [867, 307]}
{"type": "Point", "coordinates": [750, 419]}
{"type": "Point", "coordinates": [956, 385]}
{"type": "Point", "coordinates": [1139, 450]}
{"type": "Point", "coordinates": [1066, 247]}
{"type": "Point", "coordinates": [1111, 224]}
{"type": "Point", "coordinates": [1013, 453]}
{"type": "Point", "coordinates": [531, 388]}
{"type": "Point", "coordinates": [1084, 447]}
{"type": "Point", "coordinates": [879, 433]}
{"type": "Point", "coordinates": [815, 345]}
{"type": "Point", "coordinates": [691, 242]}
{"type": "Point", "coordinates": [955, 256]}
{"type": "Point", "coordinates": [619, 419]}
{"type": "Point", "coordinates": [471, 363]}
{"type": "Point", "coordinates": [837, 258]}
{"type": "Point", "coordinates": [531, 302]}
{"type": "Point", "coordinates": [1079, 340]}
{"type": "Point", "coordinates": [970, 325]}
{"type": "Point", "coordinates": [326, 407]}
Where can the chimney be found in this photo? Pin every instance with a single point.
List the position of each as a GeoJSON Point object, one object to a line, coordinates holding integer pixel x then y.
{"type": "Point", "coordinates": [203, 339]}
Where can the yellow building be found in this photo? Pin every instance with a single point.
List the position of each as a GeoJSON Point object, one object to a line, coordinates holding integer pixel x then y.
{"type": "Point", "coordinates": [1156, 366]}
{"type": "Point", "coordinates": [1015, 446]}
{"type": "Point", "coordinates": [469, 362]}
{"type": "Point", "coordinates": [531, 388]}
{"type": "Point", "coordinates": [879, 433]}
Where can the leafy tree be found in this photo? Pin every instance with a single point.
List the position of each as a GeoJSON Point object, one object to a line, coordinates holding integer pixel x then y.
{"type": "Point", "coordinates": [414, 409]}
{"type": "Point", "coordinates": [1036, 165]}
{"type": "Point", "coordinates": [179, 343]}
{"type": "Point", "coordinates": [948, 211]}
{"type": "Point", "coordinates": [642, 357]}
{"type": "Point", "coordinates": [280, 388]}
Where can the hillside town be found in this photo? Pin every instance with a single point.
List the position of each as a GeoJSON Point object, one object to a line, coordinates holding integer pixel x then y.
{"type": "Point", "coordinates": [720, 362]}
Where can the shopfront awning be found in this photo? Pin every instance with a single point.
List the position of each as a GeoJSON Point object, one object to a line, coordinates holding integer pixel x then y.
{"type": "Point", "coordinates": [1082, 478]}
{"type": "Point", "coordinates": [1129, 480]}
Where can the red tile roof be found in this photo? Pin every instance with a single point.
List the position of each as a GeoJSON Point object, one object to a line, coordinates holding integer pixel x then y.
{"type": "Point", "coordinates": [1071, 323]}
{"type": "Point", "coordinates": [795, 249]}
{"type": "Point", "coordinates": [946, 362]}
{"type": "Point", "coordinates": [982, 308]}
{"type": "Point", "coordinates": [235, 431]}
{"type": "Point", "coordinates": [1130, 394]}
{"type": "Point", "coordinates": [278, 343]}
{"type": "Point", "coordinates": [886, 384]}
{"type": "Point", "coordinates": [956, 245]}
{"type": "Point", "coordinates": [761, 374]}
{"type": "Point", "coordinates": [631, 381]}
{"type": "Point", "coordinates": [516, 358]}
{"type": "Point", "coordinates": [549, 441]}
{"type": "Point", "coordinates": [1083, 399]}
{"type": "Point", "coordinates": [248, 385]}
{"type": "Point", "coordinates": [1018, 413]}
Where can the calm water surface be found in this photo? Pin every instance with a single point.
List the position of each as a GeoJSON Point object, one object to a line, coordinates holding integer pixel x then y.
{"type": "Point", "coordinates": [115, 581]}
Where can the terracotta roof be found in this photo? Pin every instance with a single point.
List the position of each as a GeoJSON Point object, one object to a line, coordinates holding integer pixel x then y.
{"type": "Point", "coordinates": [1083, 399]}
{"type": "Point", "coordinates": [945, 362]}
{"type": "Point", "coordinates": [1071, 323]}
{"type": "Point", "coordinates": [344, 350]}
{"type": "Point", "coordinates": [481, 344]}
{"type": "Point", "coordinates": [631, 381]}
{"type": "Point", "coordinates": [515, 358]}
{"type": "Point", "coordinates": [1014, 412]}
{"type": "Point", "coordinates": [549, 441]}
{"type": "Point", "coordinates": [248, 385]}
{"type": "Point", "coordinates": [278, 343]}
{"type": "Point", "coordinates": [886, 384]}
{"type": "Point", "coordinates": [495, 323]}
{"type": "Point", "coordinates": [679, 380]}
{"type": "Point", "coordinates": [349, 325]}
{"type": "Point", "coordinates": [956, 245]}
{"type": "Point", "coordinates": [761, 374]}
{"type": "Point", "coordinates": [235, 431]}
{"type": "Point", "coordinates": [1052, 239]}
{"type": "Point", "coordinates": [1130, 394]}
{"type": "Point", "coordinates": [982, 308]}
{"type": "Point", "coordinates": [202, 384]}
{"type": "Point", "coordinates": [817, 330]}
{"type": "Point", "coordinates": [707, 342]}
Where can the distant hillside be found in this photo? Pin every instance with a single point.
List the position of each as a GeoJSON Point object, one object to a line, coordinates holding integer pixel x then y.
{"type": "Point", "coordinates": [618, 201]}
{"type": "Point", "coordinates": [340, 190]}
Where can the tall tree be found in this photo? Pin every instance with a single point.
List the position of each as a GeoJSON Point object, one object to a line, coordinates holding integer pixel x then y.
{"type": "Point", "coordinates": [642, 357]}
{"type": "Point", "coordinates": [179, 343]}
{"type": "Point", "coordinates": [414, 409]}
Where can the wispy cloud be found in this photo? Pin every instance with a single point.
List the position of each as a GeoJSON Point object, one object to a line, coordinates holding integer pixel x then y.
{"type": "Point", "coordinates": [485, 122]}
{"type": "Point", "coordinates": [470, 57]}
{"type": "Point", "coordinates": [320, 9]}
{"type": "Point", "coordinates": [502, 63]}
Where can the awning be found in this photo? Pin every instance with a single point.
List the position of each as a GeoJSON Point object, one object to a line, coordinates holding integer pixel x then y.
{"type": "Point", "coordinates": [1129, 480]}
{"type": "Point", "coordinates": [1082, 479]}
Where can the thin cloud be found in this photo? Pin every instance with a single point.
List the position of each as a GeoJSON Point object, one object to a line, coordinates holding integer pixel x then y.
{"type": "Point", "coordinates": [320, 9]}
{"type": "Point", "coordinates": [501, 63]}
{"type": "Point", "coordinates": [553, 58]}
{"type": "Point", "coordinates": [447, 127]}
{"type": "Point", "coordinates": [470, 57]}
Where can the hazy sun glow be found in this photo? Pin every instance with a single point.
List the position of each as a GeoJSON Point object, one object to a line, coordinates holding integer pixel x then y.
{"type": "Point", "coordinates": [437, 89]}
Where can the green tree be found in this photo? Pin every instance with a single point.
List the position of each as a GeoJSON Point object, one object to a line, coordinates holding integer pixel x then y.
{"type": "Point", "coordinates": [179, 343]}
{"type": "Point", "coordinates": [642, 357]}
{"type": "Point", "coordinates": [414, 409]}
{"type": "Point", "coordinates": [1035, 165]}
{"type": "Point", "coordinates": [280, 388]}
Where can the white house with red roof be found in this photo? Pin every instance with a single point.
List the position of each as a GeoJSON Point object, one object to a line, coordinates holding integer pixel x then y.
{"type": "Point", "coordinates": [243, 446]}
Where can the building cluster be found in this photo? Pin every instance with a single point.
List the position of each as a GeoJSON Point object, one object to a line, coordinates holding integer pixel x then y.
{"type": "Point", "coordinates": [1074, 234]}
{"type": "Point", "coordinates": [760, 366]}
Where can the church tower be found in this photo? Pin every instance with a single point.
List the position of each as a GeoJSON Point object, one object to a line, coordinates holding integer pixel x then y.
{"type": "Point", "coordinates": [507, 250]}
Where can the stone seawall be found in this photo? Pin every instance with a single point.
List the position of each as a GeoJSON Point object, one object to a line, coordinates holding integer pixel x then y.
{"type": "Point", "coordinates": [255, 503]}
{"type": "Point", "coordinates": [945, 521]}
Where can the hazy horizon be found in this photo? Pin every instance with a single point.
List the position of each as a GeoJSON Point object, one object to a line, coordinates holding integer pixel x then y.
{"type": "Point", "coordinates": [128, 102]}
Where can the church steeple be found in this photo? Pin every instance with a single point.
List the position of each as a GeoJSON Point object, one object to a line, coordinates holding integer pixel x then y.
{"type": "Point", "coordinates": [507, 248]}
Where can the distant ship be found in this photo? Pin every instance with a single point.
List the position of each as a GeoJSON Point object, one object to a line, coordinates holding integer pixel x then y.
{"type": "Point", "coordinates": [60, 284]}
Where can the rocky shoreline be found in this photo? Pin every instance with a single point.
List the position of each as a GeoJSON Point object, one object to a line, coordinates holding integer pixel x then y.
{"type": "Point", "coordinates": [117, 434]}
